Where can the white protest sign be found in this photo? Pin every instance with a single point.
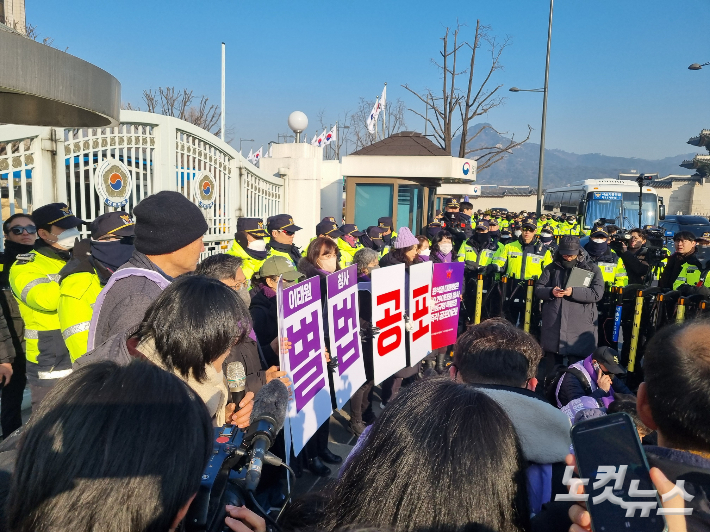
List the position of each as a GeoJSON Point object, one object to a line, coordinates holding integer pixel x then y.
{"type": "Point", "coordinates": [389, 351]}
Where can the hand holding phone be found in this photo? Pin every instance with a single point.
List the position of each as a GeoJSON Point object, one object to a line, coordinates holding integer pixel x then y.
{"type": "Point", "coordinates": [610, 458]}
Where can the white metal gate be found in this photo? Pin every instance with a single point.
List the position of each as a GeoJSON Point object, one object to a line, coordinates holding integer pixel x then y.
{"type": "Point", "coordinates": [43, 165]}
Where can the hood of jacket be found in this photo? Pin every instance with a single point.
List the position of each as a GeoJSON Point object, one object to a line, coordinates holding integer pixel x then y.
{"type": "Point", "coordinates": [543, 430]}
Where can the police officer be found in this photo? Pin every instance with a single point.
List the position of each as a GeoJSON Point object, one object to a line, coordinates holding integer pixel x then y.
{"type": "Point", "coordinates": [547, 237]}
{"type": "Point", "coordinates": [683, 266]}
{"type": "Point", "coordinates": [613, 273]}
{"type": "Point", "coordinates": [249, 245]}
{"type": "Point", "coordinates": [348, 243]}
{"type": "Point", "coordinates": [387, 224]}
{"type": "Point", "coordinates": [372, 239]}
{"type": "Point", "coordinates": [282, 230]}
{"type": "Point", "coordinates": [522, 259]}
{"type": "Point", "coordinates": [480, 248]}
{"type": "Point", "coordinates": [93, 262]}
{"type": "Point", "coordinates": [34, 280]}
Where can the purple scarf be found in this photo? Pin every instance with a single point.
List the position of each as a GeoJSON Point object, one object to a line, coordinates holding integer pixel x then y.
{"type": "Point", "coordinates": [423, 257]}
{"type": "Point", "coordinates": [442, 257]}
{"type": "Point", "coordinates": [268, 291]}
{"type": "Point", "coordinates": [589, 368]}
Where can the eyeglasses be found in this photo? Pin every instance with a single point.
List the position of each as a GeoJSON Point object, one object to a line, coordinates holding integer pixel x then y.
{"type": "Point", "coordinates": [237, 286]}
{"type": "Point", "coordinates": [17, 230]}
{"type": "Point", "coordinates": [528, 230]}
{"type": "Point", "coordinates": [288, 233]}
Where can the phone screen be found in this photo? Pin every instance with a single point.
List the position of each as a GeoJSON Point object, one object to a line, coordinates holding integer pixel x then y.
{"type": "Point", "coordinates": [613, 441]}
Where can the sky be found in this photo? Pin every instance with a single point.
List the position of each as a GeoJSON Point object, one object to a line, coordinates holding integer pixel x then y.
{"type": "Point", "coordinates": [619, 83]}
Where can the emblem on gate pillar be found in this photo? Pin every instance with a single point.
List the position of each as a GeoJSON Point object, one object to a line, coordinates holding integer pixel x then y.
{"type": "Point", "coordinates": [204, 190]}
{"type": "Point", "coordinates": [112, 181]}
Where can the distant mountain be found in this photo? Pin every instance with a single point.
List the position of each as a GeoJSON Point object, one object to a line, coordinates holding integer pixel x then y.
{"type": "Point", "coordinates": [561, 167]}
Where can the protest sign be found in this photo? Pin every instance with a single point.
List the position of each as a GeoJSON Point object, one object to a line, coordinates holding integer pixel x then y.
{"type": "Point", "coordinates": [299, 309]}
{"type": "Point", "coordinates": [389, 351]}
{"type": "Point", "coordinates": [447, 285]}
{"type": "Point", "coordinates": [344, 334]}
{"type": "Point", "coordinates": [419, 306]}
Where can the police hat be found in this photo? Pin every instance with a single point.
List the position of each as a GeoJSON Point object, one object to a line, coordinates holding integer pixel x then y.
{"type": "Point", "coordinates": [571, 218]}
{"type": "Point", "coordinates": [375, 232]}
{"type": "Point", "coordinates": [482, 224]}
{"type": "Point", "coordinates": [385, 222]}
{"type": "Point", "coordinates": [117, 223]}
{"type": "Point", "coordinates": [328, 219]}
{"type": "Point", "coordinates": [351, 229]}
{"type": "Point", "coordinates": [56, 214]}
{"type": "Point", "coordinates": [599, 233]}
{"type": "Point", "coordinates": [610, 358]}
{"type": "Point", "coordinates": [328, 228]}
{"type": "Point", "coordinates": [548, 228]}
{"type": "Point", "coordinates": [453, 203]}
{"type": "Point", "coordinates": [278, 265]}
{"type": "Point", "coordinates": [281, 222]}
{"type": "Point", "coordinates": [529, 222]}
{"type": "Point", "coordinates": [493, 221]}
{"type": "Point", "coordinates": [252, 226]}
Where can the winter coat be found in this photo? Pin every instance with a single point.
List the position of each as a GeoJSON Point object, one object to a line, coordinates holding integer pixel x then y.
{"type": "Point", "coordinates": [126, 301]}
{"type": "Point", "coordinates": [543, 431]}
{"type": "Point", "coordinates": [569, 324]}
{"type": "Point", "coordinates": [569, 386]}
{"type": "Point", "coordinates": [695, 470]}
{"type": "Point", "coordinates": [264, 316]}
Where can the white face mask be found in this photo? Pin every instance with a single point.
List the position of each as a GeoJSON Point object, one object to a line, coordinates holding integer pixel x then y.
{"type": "Point", "coordinates": [517, 233]}
{"type": "Point", "coordinates": [546, 234]}
{"type": "Point", "coordinates": [599, 240]}
{"type": "Point", "coordinates": [446, 247]}
{"type": "Point", "coordinates": [328, 264]}
{"type": "Point", "coordinates": [67, 238]}
{"type": "Point", "coordinates": [425, 252]}
{"type": "Point", "coordinates": [257, 245]}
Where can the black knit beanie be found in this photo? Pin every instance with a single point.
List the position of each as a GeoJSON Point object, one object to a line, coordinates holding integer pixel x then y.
{"type": "Point", "coordinates": [167, 221]}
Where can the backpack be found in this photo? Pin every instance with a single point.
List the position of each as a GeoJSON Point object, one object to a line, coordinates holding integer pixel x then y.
{"type": "Point", "coordinates": [553, 379]}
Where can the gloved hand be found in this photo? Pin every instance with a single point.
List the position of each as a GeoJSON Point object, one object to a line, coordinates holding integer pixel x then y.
{"type": "Point", "coordinates": [492, 268]}
{"type": "Point", "coordinates": [407, 323]}
{"type": "Point", "coordinates": [472, 265]}
{"type": "Point", "coordinates": [369, 332]}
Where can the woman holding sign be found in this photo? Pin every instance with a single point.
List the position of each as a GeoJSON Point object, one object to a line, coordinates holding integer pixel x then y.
{"type": "Point", "coordinates": [320, 261]}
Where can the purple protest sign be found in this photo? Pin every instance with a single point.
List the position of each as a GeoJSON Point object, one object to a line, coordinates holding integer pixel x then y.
{"type": "Point", "coordinates": [344, 333]}
{"type": "Point", "coordinates": [446, 288]}
{"type": "Point", "coordinates": [302, 324]}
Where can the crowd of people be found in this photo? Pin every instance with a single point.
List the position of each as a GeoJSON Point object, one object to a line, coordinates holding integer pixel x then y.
{"type": "Point", "coordinates": [124, 338]}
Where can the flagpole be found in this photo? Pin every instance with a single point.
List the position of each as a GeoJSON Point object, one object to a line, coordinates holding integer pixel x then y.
{"type": "Point", "coordinates": [223, 91]}
{"type": "Point", "coordinates": [384, 116]}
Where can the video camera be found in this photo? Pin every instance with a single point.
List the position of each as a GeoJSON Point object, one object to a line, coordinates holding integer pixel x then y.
{"type": "Point", "coordinates": [655, 244]}
{"type": "Point", "coordinates": [234, 468]}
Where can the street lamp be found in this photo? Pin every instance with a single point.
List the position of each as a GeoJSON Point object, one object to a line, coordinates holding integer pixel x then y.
{"type": "Point", "coordinates": [544, 113]}
{"type": "Point", "coordinates": [245, 140]}
{"type": "Point", "coordinates": [696, 66]}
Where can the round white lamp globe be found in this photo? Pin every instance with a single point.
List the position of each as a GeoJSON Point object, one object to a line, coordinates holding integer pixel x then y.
{"type": "Point", "coordinates": [297, 121]}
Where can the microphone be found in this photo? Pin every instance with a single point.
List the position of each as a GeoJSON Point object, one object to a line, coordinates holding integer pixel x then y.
{"type": "Point", "coordinates": [267, 419]}
{"type": "Point", "coordinates": [237, 382]}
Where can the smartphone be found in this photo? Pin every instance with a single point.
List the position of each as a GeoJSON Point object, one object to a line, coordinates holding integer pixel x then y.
{"type": "Point", "coordinates": [613, 441]}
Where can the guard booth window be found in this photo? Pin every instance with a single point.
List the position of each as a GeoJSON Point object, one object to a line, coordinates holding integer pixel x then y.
{"type": "Point", "coordinates": [409, 207]}
{"type": "Point", "coordinates": [371, 202]}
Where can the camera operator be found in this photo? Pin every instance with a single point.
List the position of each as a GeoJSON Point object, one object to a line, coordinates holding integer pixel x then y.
{"type": "Point", "coordinates": [634, 256]}
{"type": "Point", "coordinates": [683, 266]}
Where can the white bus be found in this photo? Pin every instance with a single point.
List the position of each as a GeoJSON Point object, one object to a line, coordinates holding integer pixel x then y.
{"type": "Point", "coordinates": [612, 199]}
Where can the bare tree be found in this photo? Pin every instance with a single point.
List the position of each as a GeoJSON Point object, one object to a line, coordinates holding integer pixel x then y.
{"type": "Point", "coordinates": [487, 156]}
{"type": "Point", "coordinates": [178, 103]}
{"type": "Point", "coordinates": [453, 112]}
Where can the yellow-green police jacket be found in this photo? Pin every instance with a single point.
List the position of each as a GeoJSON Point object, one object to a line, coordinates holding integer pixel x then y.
{"type": "Point", "coordinates": [34, 282]}
{"type": "Point", "coordinates": [347, 252]}
{"type": "Point", "coordinates": [689, 274]}
{"type": "Point", "coordinates": [250, 265]}
{"type": "Point", "coordinates": [612, 268]}
{"type": "Point", "coordinates": [468, 252]}
{"type": "Point", "coordinates": [511, 258]}
{"type": "Point", "coordinates": [77, 295]}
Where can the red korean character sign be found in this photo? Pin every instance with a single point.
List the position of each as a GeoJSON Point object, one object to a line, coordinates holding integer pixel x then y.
{"type": "Point", "coordinates": [447, 286]}
{"type": "Point", "coordinates": [419, 308]}
{"type": "Point", "coordinates": [389, 351]}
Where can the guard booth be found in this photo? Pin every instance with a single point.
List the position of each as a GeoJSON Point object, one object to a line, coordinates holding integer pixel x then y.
{"type": "Point", "coordinates": [400, 177]}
